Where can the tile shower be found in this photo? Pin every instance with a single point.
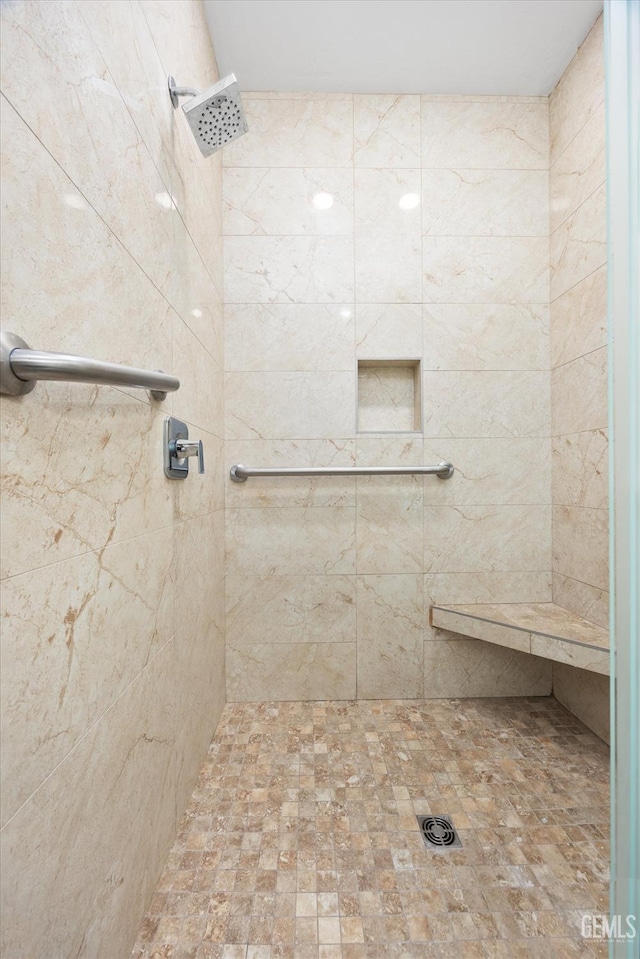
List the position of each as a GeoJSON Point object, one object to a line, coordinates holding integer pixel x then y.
{"type": "Point", "coordinates": [449, 303]}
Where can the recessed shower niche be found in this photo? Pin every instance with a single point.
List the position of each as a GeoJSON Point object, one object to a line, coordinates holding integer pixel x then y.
{"type": "Point", "coordinates": [389, 396]}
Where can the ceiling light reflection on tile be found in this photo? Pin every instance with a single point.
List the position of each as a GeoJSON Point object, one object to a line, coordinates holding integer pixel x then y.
{"type": "Point", "coordinates": [166, 201]}
{"type": "Point", "coordinates": [197, 313]}
{"type": "Point", "coordinates": [322, 201]}
{"type": "Point", "coordinates": [409, 201]}
{"type": "Point", "coordinates": [345, 314]}
{"type": "Point", "coordinates": [75, 201]}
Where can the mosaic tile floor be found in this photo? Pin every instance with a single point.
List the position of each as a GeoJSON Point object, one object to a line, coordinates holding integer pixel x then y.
{"type": "Point", "coordinates": [300, 840]}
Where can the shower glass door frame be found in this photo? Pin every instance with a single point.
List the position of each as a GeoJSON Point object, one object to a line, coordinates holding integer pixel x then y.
{"type": "Point", "coordinates": [622, 59]}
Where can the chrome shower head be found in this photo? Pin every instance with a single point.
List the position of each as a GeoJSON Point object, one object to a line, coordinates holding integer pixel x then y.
{"type": "Point", "coordinates": [216, 116]}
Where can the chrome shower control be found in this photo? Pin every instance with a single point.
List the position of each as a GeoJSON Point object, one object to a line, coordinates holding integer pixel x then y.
{"type": "Point", "coordinates": [178, 448]}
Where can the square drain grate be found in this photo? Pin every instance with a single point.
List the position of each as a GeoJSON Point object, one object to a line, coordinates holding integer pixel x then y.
{"type": "Point", "coordinates": [438, 832]}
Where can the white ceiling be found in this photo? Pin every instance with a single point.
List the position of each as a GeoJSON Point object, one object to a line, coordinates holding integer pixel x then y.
{"type": "Point", "coordinates": [517, 47]}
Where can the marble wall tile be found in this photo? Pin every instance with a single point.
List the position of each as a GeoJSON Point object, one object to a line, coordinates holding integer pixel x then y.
{"type": "Point", "coordinates": [495, 633]}
{"type": "Point", "coordinates": [67, 82]}
{"type": "Point", "coordinates": [181, 38]}
{"type": "Point", "coordinates": [484, 538]}
{"type": "Point", "coordinates": [490, 336]}
{"type": "Point", "coordinates": [586, 695]}
{"type": "Point", "coordinates": [288, 269]}
{"type": "Point", "coordinates": [469, 667]}
{"type": "Point", "coordinates": [386, 130]}
{"type": "Point", "coordinates": [199, 400]}
{"type": "Point", "coordinates": [387, 235]}
{"type": "Point", "coordinates": [56, 504]}
{"type": "Point", "coordinates": [490, 471]}
{"type": "Point", "coordinates": [195, 294]}
{"type": "Point", "coordinates": [486, 587]}
{"type": "Point", "coordinates": [53, 294]}
{"type": "Point", "coordinates": [290, 609]}
{"type": "Point", "coordinates": [458, 202]}
{"type": "Point", "coordinates": [201, 493]}
{"type": "Point", "coordinates": [572, 654]}
{"type": "Point", "coordinates": [579, 394]}
{"type": "Point", "coordinates": [491, 269]}
{"type": "Point", "coordinates": [388, 269]}
{"type": "Point", "coordinates": [286, 336]}
{"type": "Point", "coordinates": [280, 200]}
{"type": "Point", "coordinates": [579, 245]}
{"type": "Point", "coordinates": [286, 490]}
{"type": "Point", "coordinates": [581, 545]}
{"type": "Point", "coordinates": [291, 541]}
{"type": "Point", "coordinates": [485, 134]}
{"type": "Point", "coordinates": [389, 398]}
{"type": "Point", "coordinates": [579, 92]}
{"type": "Point", "coordinates": [588, 601]}
{"type": "Point", "coordinates": [486, 403]}
{"type": "Point", "coordinates": [289, 405]}
{"type": "Point", "coordinates": [389, 524]}
{"type": "Point", "coordinates": [290, 672]}
{"type": "Point", "coordinates": [390, 636]}
{"type": "Point", "coordinates": [581, 469]}
{"type": "Point", "coordinates": [579, 319]}
{"type": "Point", "coordinates": [120, 773]}
{"type": "Point", "coordinates": [579, 171]}
{"type": "Point", "coordinates": [59, 674]}
{"type": "Point", "coordinates": [294, 133]}
{"type": "Point", "coordinates": [389, 451]}
{"type": "Point", "coordinates": [386, 330]}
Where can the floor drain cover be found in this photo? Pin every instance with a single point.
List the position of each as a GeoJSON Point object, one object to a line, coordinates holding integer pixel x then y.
{"type": "Point", "coordinates": [438, 832]}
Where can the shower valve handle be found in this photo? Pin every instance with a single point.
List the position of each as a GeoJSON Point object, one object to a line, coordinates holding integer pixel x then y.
{"type": "Point", "coordinates": [183, 448]}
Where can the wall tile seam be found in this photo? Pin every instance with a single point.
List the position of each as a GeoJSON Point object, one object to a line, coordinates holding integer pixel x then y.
{"type": "Point", "coordinates": [573, 212]}
{"type": "Point", "coordinates": [320, 168]}
{"type": "Point", "coordinates": [554, 123]}
{"type": "Point", "coordinates": [377, 234]}
{"type": "Point", "coordinates": [216, 362]}
{"type": "Point", "coordinates": [590, 429]}
{"type": "Point", "coordinates": [124, 99]}
{"type": "Point", "coordinates": [112, 544]}
{"type": "Point", "coordinates": [577, 283]}
{"type": "Point", "coordinates": [338, 97]}
{"type": "Point", "coordinates": [566, 576]}
{"type": "Point", "coordinates": [121, 243]}
{"type": "Point", "coordinates": [580, 356]}
{"type": "Point", "coordinates": [110, 708]}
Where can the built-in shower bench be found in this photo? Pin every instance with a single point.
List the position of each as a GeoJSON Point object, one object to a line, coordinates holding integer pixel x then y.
{"type": "Point", "coordinates": [542, 629]}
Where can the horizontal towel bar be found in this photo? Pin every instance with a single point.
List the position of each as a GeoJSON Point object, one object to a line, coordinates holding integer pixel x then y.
{"type": "Point", "coordinates": [21, 367]}
{"type": "Point", "coordinates": [442, 470]}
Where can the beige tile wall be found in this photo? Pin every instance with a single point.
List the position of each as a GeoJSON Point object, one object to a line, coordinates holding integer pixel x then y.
{"type": "Point", "coordinates": [112, 589]}
{"type": "Point", "coordinates": [330, 580]}
{"type": "Point", "coordinates": [579, 359]}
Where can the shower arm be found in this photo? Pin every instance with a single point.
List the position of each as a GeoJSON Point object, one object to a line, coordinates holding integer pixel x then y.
{"type": "Point", "coordinates": [175, 92]}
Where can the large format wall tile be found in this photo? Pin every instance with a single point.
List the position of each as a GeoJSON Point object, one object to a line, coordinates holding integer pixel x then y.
{"type": "Point", "coordinates": [485, 202]}
{"type": "Point", "coordinates": [284, 672]}
{"type": "Point", "coordinates": [386, 330]}
{"type": "Point", "coordinates": [581, 544]}
{"type": "Point", "coordinates": [291, 541]}
{"type": "Point", "coordinates": [279, 336]}
{"type": "Point", "coordinates": [581, 469]}
{"type": "Point", "coordinates": [290, 609]}
{"type": "Point", "coordinates": [485, 269]}
{"type": "Point", "coordinates": [390, 636]}
{"type": "Point", "coordinates": [579, 171]}
{"type": "Point", "coordinates": [281, 200]}
{"type": "Point", "coordinates": [579, 92]}
{"type": "Point", "coordinates": [100, 827]}
{"type": "Point", "coordinates": [75, 634]}
{"type": "Point", "coordinates": [294, 133]}
{"type": "Point", "coordinates": [288, 269]}
{"type": "Point", "coordinates": [112, 224]}
{"type": "Point", "coordinates": [386, 130]}
{"type": "Point", "coordinates": [389, 525]}
{"type": "Point", "coordinates": [486, 403]}
{"type": "Point", "coordinates": [485, 133]}
{"type": "Point", "coordinates": [579, 394]}
{"type": "Point", "coordinates": [579, 319]}
{"type": "Point", "coordinates": [486, 587]}
{"type": "Point", "coordinates": [478, 538]}
{"type": "Point", "coordinates": [289, 405]}
{"type": "Point", "coordinates": [455, 667]}
{"type": "Point", "coordinates": [579, 245]}
{"type": "Point", "coordinates": [588, 601]}
{"type": "Point", "coordinates": [468, 336]}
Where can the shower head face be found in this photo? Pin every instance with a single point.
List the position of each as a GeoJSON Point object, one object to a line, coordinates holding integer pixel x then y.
{"type": "Point", "coordinates": [216, 116]}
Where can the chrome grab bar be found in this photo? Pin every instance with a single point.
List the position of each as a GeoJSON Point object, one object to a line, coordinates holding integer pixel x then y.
{"type": "Point", "coordinates": [21, 367]}
{"type": "Point", "coordinates": [443, 470]}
